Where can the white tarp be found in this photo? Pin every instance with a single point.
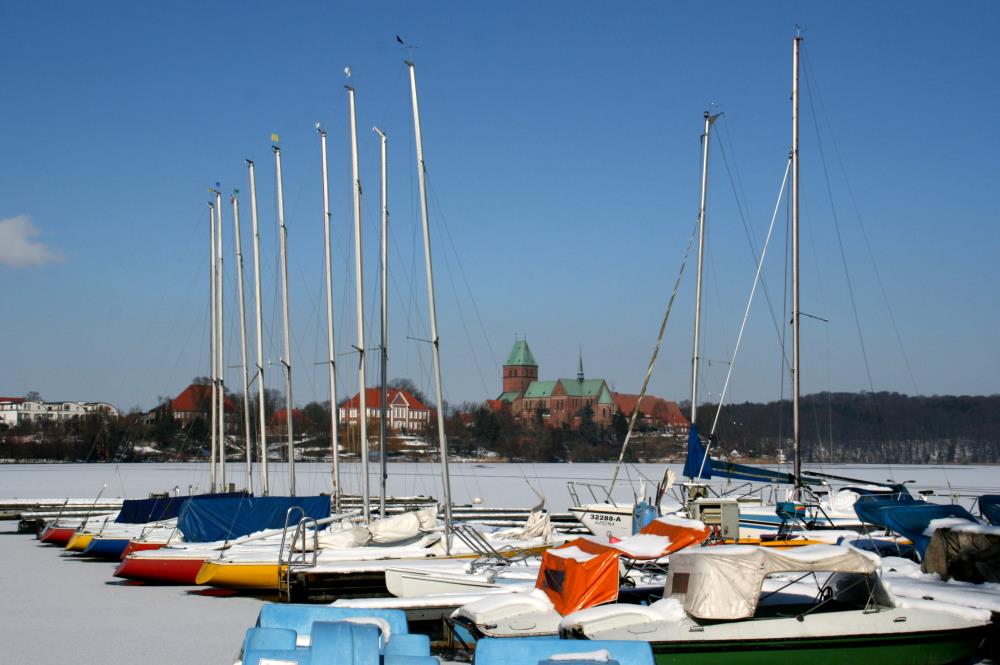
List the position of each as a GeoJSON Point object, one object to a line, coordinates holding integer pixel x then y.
{"type": "Point", "coordinates": [724, 582]}
{"type": "Point", "coordinates": [384, 531]}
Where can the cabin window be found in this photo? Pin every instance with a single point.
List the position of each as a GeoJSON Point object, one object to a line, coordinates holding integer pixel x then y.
{"type": "Point", "coordinates": [680, 583]}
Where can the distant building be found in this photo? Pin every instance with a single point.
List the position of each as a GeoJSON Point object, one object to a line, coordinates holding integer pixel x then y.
{"type": "Point", "coordinates": [558, 403]}
{"type": "Point", "coordinates": [405, 412]}
{"type": "Point", "coordinates": [195, 401]}
{"type": "Point", "coordinates": [563, 402]}
{"type": "Point", "coordinates": [16, 410]}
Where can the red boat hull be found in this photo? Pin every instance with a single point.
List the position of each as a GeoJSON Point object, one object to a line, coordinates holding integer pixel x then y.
{"type": "Point", "coordinates": [139, 546]}
{"type": "Point", "coordinates": [173, 570]}
{"type": "Point", "coordinates": [57, 535]}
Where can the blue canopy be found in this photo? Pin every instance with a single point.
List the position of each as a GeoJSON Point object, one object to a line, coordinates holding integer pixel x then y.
{"type": "Point", "coordinates": [911, 520]}
{"type": "Point", "coordinates": [206, 520]}
{"type": "Point", "coordinates": [989, 506]}
{"type": "Point", "coordinates": [714, 468]}
{"type": "Point", "coordinates": [140, 511]}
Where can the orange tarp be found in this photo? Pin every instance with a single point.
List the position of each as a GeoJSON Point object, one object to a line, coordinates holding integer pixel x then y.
{"type": "Point", "coordinates": [675, 537]}
{"type": "Point", "coordinates": [574, 580]}
{"type": "Point", "coordinates": [680, 536]}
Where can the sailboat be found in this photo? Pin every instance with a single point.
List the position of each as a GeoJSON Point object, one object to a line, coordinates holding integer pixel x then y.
{"type": "Point", "coordinates": [718, 609]}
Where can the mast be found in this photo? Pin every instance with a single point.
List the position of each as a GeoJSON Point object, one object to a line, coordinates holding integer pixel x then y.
{"type": "Point", "coordinates": [331, 349]}
{"type": "Point", "coordinates": [287, 360]}
{"type": "Point", "coordinates": [260, 331]}
{"type": "Point", "coordinates": [422, 175]}
{"type": "Point", "coordinates": [383, 347]}
{"type": "Point", "coordinates": [696, 350]}
{"type": "Point", "coordinates": [215, 443]}
{"type": "Point", "coordinates": [220, 357]}
{"type": "Point", "coordinates": [238, 246]}
{"type": "Point", "coordinates": [359, 293]}
{"type": "Point", "coordinates": [796, 341]}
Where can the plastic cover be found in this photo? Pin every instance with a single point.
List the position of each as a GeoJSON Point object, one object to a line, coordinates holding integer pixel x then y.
{"type": "Point", "coordinates": [989, 506]}
{"type": "Point", "coordinates": [141, 511]}
{"type": "Point", "coordinates": [911, 520]}
{"type": "Point", "coordinates": [724, 582]}
{"type": "Point", "coordinates": [579, 580]}
{"type": "Point", "coordinates": [206, 520]}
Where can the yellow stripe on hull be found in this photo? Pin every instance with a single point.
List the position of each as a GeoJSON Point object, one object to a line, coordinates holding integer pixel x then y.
{"type": "Point", "coordinates": [777, 544]}
{"type": "Point", "coordinates": [230, 575]}
{"type": "Point", "coordinates": [79, 542]}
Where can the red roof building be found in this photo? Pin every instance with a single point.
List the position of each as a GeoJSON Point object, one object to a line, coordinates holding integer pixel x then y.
{"type": "Point", "coordinates": [405, 412]}
{"type": "Point", "coordinates": [654, 411]}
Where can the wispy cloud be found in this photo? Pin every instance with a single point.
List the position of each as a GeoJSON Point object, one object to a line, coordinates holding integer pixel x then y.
{"type": "Point", "coordinates": [19, 249]}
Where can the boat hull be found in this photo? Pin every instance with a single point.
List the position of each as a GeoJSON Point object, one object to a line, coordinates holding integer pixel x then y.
{"type": "Point", "coordinates": [79, 542]}
{"type": "Point", "coordinates": [229, 575]}
{"type": "Point", "coordinates": [139, 546]}
{"type": "Point", "coordinates": [924, 648]}
{"type": "Point", "coordinates": [57, 535]}
{"type": "Point", "coordinates": [106, 548]}
{"type": "Point", "coordinates": [173, 570]}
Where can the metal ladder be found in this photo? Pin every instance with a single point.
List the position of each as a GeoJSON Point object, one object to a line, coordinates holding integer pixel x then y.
{"type": "Point", "coordinates": [302, 559]}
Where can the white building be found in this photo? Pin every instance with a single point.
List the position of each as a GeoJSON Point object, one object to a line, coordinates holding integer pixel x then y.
{"type": "Point", "coordinates": [406, 412]}
{"type": "Point", "coordinates": [14, 411]}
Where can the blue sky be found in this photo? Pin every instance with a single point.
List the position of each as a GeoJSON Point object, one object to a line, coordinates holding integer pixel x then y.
{"type": "Point", "coordinates": [562, 145]}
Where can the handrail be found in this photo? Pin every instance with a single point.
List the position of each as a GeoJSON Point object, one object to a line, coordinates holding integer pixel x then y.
{"type": "Point", "coordinates": [285, 567]}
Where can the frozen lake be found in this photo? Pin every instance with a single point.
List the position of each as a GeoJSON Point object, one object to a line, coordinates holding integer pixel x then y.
{"type": "Point", "coordinates": [498, 485]}
{"type": "Point", "coordinates": [59, 607]}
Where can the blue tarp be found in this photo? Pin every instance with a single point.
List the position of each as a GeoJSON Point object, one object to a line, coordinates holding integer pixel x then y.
{"type": "Point", "coordinates": [989, 506]}
{"type": "Point", "coordinates": [206, 520]}
{"type": "Point", "coordinates": [869, 507]}
{"type": "Point", "coordinates": [714, 468]}
{"type": "Point", "coordinates": [140, 511]}
{"type": "Point", "coordinates": [911, 520]}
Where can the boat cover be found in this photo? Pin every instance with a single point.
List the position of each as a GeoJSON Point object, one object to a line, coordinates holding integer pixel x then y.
{"type": "Point", "coordinates": [206, 520]}
{"type": "Point", "coordinates": [724, 582]}
{"type": "Point", "coordinates": [574, 579]}
{"type": "Point", "coordinates": [869, 507]}
{"type": "Point", "coordinates": [964, 552]}
{"type": "Point", "coordinates": [989, 506]}
{"type": "Point", "coordinates": [912, 519]}
{"type": "Point", "coordinates": [657, 539]}
{"type": "Point", "coordinates": [506, 651]}
{"type": "Point", "coordinates": [141, 511]}
{"type": "Point", "coordinates": [714, 468]}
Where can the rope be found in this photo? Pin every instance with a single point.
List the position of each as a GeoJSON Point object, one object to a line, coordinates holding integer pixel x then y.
{"type": "Point", "coordinates": [652, 361]}
{"type": "Point", "coordinates": [746, 315]}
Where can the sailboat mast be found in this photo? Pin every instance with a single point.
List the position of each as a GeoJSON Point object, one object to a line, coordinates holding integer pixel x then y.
{"type": "Point", "coordinates": [238, 246]}
{"type": "Point", "coordinates": [220, 357]}
{"type": "Point", "coordinates": [422, 177]}
{"type": "Point", "coordinates": [383, 347]}
{"type": "Point", "coordinates": [696, 349]}
{"type": "Point", "coordinates": [359, 293]}
{"type": "Point", "coordinates": [796, 340]}
{"type": "Point", "coordinates": [287, 360]}
{"type": "Point", "coordinates": [215, 388]}
{"type": "Point", "coordinates": [260, 331]}
{"type": "Point", "coordinates": [331, 349]}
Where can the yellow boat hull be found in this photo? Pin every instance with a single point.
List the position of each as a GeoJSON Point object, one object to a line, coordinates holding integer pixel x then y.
{"type": "Point", "coordinates": [236, 575]}
{"type": "Point", "coordinates": [79, 542]}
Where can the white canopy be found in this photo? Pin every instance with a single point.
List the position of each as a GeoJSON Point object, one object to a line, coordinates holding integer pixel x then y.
{"type": "Point", "coordinates": [724, 582]}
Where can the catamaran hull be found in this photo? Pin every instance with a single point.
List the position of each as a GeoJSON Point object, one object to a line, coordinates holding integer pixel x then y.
{"type": "Point", "coordinates": [927, 648]}
{"type": "Point", "coordinates": [57, 535]}
{"type": "Point", "coordinates": [239, 575]}
{"type": "Point", "coordinates": [174, 570]}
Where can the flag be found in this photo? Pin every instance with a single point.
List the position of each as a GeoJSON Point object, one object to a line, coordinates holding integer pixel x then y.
{"type": "Point", "coordinates": [274, 138]}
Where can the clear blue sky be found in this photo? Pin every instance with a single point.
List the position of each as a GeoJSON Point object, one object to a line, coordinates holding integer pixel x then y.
{"type": "Point", "coordinates": [562, 143]}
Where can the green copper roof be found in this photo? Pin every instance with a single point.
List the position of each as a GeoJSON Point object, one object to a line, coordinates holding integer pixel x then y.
{"type": "Point", "coordinates": [605, 397]}
{"type": "Point", "coordinates": [540, 389]}
{"type": "Point", "coordinates": [508, 397]}
{"type": "Point", "coordinates": [585, 388]}
{"type": "Point", "coordinates": [521, 355]}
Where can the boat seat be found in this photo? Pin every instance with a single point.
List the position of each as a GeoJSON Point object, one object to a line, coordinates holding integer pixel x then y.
{"type": "Point", "coordinates": [276, 656]}
{"type": "Point", "coordinates": [343, 643]}
{"type": "Point", "coordinates": [269, 638]}
{"type": "Point", "coordinates": [499, 651]}
{"type": "Point", "coordinates": [408, 645]}
{"type": "Point", "coordinates": [301, 617]}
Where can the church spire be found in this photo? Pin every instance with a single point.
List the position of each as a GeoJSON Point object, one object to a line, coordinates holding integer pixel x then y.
{"type": "Point", "coordinates": [579, 371]}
